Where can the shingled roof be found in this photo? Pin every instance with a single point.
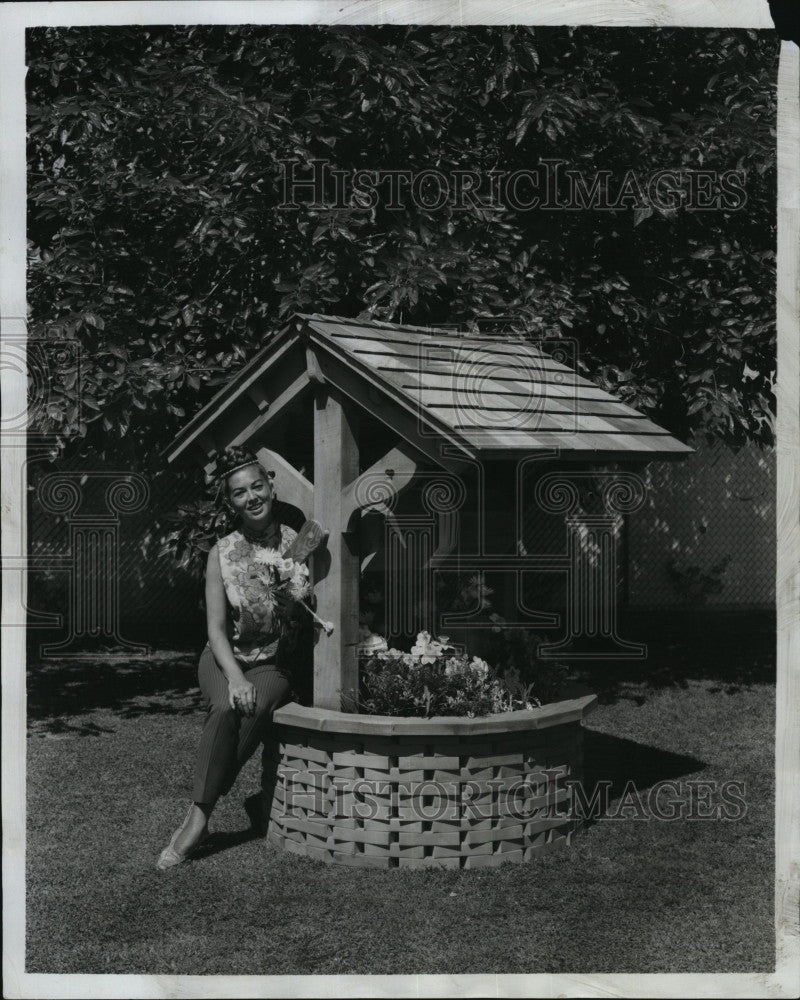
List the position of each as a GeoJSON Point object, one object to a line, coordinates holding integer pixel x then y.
{"type": "Point", "coordinates": [485, 394]}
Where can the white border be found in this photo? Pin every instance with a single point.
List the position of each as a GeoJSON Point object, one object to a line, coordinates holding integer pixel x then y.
{"type": "Point", "coordinates": [14, 18]}
{"type": "Point", "coordinates": [603, 13]}
{"type": "Point", "coordinates": [787, 590]}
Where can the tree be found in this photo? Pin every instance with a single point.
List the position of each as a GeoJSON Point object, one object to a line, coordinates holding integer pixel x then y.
{"type": "Point", "coordinates": [158, 240]}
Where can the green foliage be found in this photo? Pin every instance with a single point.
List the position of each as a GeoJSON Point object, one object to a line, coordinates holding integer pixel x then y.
{"type": "Point", "coordinates": [514, 653]}
{"type": "Point", "coordinates": [158, 241]}
{"type": "Point", "coordinates": [192, 531]}
{"type": "Point", "coordinates": [432, 680]}
{"type": "Point", "coordinates": [523, 676]}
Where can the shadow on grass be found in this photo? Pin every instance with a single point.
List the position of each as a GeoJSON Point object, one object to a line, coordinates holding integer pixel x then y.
{"type": "Point", "coordinates": [57, 727]}
{"type": "Point", "coordinates": [59, 690]}
{"type": "Point", "coordinates": [618, 763]}
{"type": "Point", "coordinates": [224, 840]}
{"type": "Point", "coordinates": [163, 683]}
{"type": "Point", "coordinates": [731, 651]}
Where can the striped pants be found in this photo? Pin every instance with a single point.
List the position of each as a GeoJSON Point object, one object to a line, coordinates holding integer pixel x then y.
{"type": "Point", "coordinates": [230, 739]}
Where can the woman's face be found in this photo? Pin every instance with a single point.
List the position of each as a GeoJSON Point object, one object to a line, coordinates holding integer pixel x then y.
{"type": "Point", "coordinates": [250, 495]}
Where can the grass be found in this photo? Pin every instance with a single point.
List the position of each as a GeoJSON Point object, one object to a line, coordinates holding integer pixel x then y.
{"type": "Point", "coordinates": [109, 765]}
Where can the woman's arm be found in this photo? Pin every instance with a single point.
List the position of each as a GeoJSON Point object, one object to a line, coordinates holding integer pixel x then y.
{"type": "Point", "coordinates": [216, 618]}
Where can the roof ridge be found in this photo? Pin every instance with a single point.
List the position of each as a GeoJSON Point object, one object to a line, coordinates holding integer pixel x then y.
{"type": "Point", "coordinates": [405, 327]}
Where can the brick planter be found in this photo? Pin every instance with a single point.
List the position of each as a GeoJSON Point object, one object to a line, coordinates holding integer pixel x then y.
{"type": "Point", "coordinates": [389, 792]}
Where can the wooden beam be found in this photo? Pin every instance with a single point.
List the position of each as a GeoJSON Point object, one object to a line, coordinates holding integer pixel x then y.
{"type": "Point", "coordinates": [389, 475]}
{"type": "Point", "coordinates": [276, 406]}
{"type": "Point", "coordinates": [383, 389]}
{"type": "Point", "coordinates": [312, 366]}
{"type": "Point", "coordinates": [291, 486]}
{"type": "Point", "coordinates": [253, 372]}
{"type": "Point", "coordinates": [401, 419]}
{"type": "Point", "coordinates": [259, 406]}
{"type": "Point", "coordinates": [258, 397]}
{"type": "Point", "coordinates": [336, 566]}
{"type": "Point", "coordinates": [371, 533]}
{"type": "Point", "coordinates": [205, 442]}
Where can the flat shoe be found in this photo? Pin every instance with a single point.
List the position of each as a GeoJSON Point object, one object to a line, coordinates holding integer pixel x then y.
{"type": "Point", "coordinates": [308, 538]}
{"type": "Point", "coordinates": [169, 857]}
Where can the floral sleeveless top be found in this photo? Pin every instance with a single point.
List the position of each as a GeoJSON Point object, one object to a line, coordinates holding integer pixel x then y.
{"type": "Point", "coordinates": [254, 627]}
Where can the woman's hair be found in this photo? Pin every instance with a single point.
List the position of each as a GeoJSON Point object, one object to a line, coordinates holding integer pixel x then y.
{"type": "Point", "coordinates": [233, 459]}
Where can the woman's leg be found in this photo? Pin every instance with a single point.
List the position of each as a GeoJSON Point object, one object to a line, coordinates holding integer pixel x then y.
{"type": "Point", "coordinates": [216, 756]}
{"type": "Point", "coordinates": [229, 739]}
{"type": "Point", "coordinates": [273, 689]}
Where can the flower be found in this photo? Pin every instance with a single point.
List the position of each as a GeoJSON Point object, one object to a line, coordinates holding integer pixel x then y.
{"type": "Point", "coordinates": [480, 667]}
{"type": "Point", "coordinates": [432, 679]}
{"type": "Point", "coordinates": [285, 568]}
{"type": "Point", "coordinates": [453, 666]}
{"type": "Point", "coordinates": [428, 650]}
{"type": "Point", "coordinates": [369, 643]}
{"type": "Point", "coordinates": [267, 557]}
{"type": "Point", "coordinates": [299, 591]}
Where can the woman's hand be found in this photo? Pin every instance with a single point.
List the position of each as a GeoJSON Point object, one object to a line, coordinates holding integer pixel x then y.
{"type": "Point", "coordinates": [241, 693]}
{"type": "Point", "coordinates": [242, 696]}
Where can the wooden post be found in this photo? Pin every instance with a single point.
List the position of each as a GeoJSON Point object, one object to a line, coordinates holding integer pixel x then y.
{"type": "Point", "coordinates": [336, 567]}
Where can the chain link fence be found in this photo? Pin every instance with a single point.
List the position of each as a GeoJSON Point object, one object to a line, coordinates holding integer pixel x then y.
{"type": "Point", "coordinates": [704, 536]}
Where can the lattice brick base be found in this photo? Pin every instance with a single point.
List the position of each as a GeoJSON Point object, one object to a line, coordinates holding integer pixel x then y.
{"type": "Point", "coordinates": [412, 793]}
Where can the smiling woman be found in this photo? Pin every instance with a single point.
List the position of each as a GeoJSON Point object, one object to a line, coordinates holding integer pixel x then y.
{"type": "Point", "coordinates": [255, 581]}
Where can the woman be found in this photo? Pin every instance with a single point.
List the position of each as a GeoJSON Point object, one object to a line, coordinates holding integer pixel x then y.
{"type": "Point", "coordinates": [244, 675]}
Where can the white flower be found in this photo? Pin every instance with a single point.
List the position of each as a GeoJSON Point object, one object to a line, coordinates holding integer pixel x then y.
{"type": "Point", "coordinates": [267, 557]}
{"type": "Point", "coordinates": [285, 568]}
{"type": "Point", "coordinates": [453, 666]}
{"type": "Point", "coordinates": [371, 644]}
{"type": "Point", "coordinates": [421, 645]}
{"type": "Point", "coordinates": [480, 667]}
{"type": "Point", "coordinates": [298, 589]}
{"type": "Point", "coordinates": [428, 650]}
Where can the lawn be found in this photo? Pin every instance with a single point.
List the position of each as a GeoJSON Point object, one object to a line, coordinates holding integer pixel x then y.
{"type": "Point", "coordinates": [109, 763]}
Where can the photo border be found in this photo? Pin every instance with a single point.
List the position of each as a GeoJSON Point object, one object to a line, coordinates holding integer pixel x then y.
{"type": "Point", "coordinates": [14, 19]}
